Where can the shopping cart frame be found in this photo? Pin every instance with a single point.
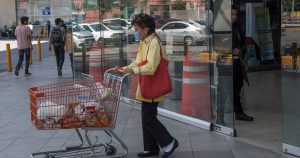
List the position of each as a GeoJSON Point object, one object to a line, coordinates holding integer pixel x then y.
{"type": "Point", "coordinates": [90, 150]}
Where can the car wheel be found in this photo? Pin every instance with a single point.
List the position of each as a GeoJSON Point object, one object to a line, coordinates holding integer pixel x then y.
{"type": "Point", "coordinates": [188, 40]}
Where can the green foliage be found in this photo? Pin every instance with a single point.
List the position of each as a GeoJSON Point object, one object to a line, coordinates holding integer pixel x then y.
{"type": "Point", "coordinates": [116, 15]}
{"type": "Point", "coordinates": [90, 4]}
{"type": "Point", "coordinates": [179, 5]}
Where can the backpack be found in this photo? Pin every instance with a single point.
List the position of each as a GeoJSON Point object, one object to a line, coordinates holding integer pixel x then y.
{"type": "Point", "coordinates": [57, 38]}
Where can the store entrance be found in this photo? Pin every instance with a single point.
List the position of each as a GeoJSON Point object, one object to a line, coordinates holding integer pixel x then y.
{"type": "Point", "coordinates": [273, 67]}
{"type": "Point", "coordinates": [260, 22]}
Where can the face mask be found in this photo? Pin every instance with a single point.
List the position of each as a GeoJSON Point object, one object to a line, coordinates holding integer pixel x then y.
{"type": "Point", "coordinates": [137, 36]}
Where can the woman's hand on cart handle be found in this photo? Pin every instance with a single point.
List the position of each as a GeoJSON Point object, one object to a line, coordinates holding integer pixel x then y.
{"type": "Point", "coordinates": [118, 69]}
{"type": "Point", "coordinates": [123, 70]}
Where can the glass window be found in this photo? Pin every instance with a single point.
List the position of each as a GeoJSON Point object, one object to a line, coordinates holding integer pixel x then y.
{"type": "Point", "coordinates": [124, 23]}
{"type": "Point", "coordinates": [169, 26]}
{"type": "Point", "coordinates": [113, 26]}
{"type": "Point", "coordinates": [180, 26]}
{"type": "Point", "coordinates": [77, 28]}
{"type": "Point", "coordinates": [87, 28]}
{"type": "Point", "coordinates": [201, 22]}
{"type": "Point", "coordinates": [191, 69]}
{"type": "Point", "coordinates": [96, 27]}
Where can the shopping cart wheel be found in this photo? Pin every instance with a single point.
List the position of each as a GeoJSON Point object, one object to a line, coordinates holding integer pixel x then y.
{"type": "Point", "coordinates": [110, 151]}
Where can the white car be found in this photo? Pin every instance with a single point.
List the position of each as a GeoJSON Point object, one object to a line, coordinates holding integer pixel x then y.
{"type": "Point", "coordinates": [182, 33]}
{"type": "Point", "coordinates": [82, 37]}
{"type": "Point", "coordinates": [125, 24]}
{"type": "Point", "coordinates": [109, 32]}
{"type": "Point", "coordinates": [199, 23]}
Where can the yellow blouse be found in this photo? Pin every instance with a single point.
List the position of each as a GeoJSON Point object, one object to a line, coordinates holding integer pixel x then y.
{"type": "Point", "coordinates": [153, 59]}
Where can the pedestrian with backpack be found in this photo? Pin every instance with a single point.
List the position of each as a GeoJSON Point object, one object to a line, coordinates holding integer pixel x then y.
{"type": "Point", "coordinates": [57, 40]}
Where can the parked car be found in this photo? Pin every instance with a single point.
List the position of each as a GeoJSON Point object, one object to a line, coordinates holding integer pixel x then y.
{"type": "Point", "coordinates": [182, 33]}
{"type": "Point", "coordinates": [82, 37]}
{"type": "Point", "coordinates": [199, 23]}
{"type": "Point", "coordinates": [108, 32]}
{"type": "Point", "coordinates": [125, 24]}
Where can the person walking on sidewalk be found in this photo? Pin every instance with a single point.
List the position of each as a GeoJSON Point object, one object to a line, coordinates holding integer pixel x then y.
{"type": "Point", "coordinates": [155, 134]}
{"type": "Point", "coordinates": [57, 40]}
{"type": "Point", "coordinates": [48, 27]}
{"type": "Point", "coordinates": [23, 36]}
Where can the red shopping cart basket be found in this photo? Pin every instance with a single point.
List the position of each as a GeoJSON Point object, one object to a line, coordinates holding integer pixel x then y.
{"type": "Point", "coordinates": [73, 104]}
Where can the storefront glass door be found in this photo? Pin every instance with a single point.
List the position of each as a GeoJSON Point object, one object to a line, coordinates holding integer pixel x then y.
{"type": "Point", "coordinates": [194, 36]}
{"type": "Point", "coordinates": [290, 61]}
{"type": "Point", "coordinates": [221, 69]}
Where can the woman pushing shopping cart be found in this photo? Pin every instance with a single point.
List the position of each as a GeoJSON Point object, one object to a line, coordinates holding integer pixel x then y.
{"type": "Point", "coordinates": [81, 104]}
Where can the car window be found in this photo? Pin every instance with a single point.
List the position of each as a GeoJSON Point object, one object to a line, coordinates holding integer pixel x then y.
{"type": "Point", "coordinates": [113, 26]}
{"type": "Point", "coordinates": [116, 22]}
{"type": "Point", "coordinates": [87, 28]}
{"type": "Point", "coordinates": [77, 28]}
{"type": "Point", "coordinates": [180, 26]}
{"type": "Point", "coordinates": [98, 27]}
{"type": "Point", "coordinates": [123, 23]}
{"type": "Point", "coordinates": [201, 22]}
{"type": "Point", "coordinates": [169, 26]}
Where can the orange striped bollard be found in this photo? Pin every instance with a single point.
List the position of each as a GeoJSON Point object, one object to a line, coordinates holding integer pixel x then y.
{"type": "Point", "coordinates": [195, 88]}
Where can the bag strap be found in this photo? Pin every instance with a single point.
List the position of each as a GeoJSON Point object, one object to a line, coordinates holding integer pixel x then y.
{"type": "Point", "coordinates": [159, 46]}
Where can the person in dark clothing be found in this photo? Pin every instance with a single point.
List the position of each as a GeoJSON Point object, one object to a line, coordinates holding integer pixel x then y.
{"type": "Point", "coordinates": [48, 27]}
{"type": "Point", "coordinates": [63, 25]}
{"type": "Point", "coordinates": [58, 40]}
{"type": "Point", "coordinates": [239, 75]}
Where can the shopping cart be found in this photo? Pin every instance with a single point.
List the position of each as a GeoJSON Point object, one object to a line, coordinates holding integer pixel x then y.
{"type": "Point", "coordinates": [81, 104]}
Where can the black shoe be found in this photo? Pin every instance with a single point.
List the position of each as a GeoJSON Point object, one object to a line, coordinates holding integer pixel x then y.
{"type": "Point", "coordinates": [167, 154]}
{"type": "Point", "coordinates": [17, 73]}
{"type": "Point", "coordinates": [148, 154]}
{"type": "Point", "coordinates": [59, 71]}
{"type": "Point", "coordinates": [243, 117]}
{"type": "Point", "coordinates": [27, 73]}
{"type": "Point", "coordinates": [220, 122]}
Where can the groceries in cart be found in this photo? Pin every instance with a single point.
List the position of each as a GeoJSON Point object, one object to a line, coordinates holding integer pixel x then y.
{"type": "Point", "coordinates": [73, 105]}
{"type": "Point", "coordinates": [103, 91]}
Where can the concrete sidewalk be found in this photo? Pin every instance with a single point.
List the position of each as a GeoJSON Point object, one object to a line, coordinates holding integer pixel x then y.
{"type": "Point", "coordinates": [14, 53]}
{"type": "Point", "coordinates": [18, 137]}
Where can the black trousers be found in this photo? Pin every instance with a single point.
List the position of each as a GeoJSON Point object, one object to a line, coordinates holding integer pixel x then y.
{"type": "Point", "coordinates": [155, 134]}
{"type": "Point", "coordinates": [238, 82]}
{"type": "Point", "coordinates": [60, 56]}
{"type": "Point", "coordinates": [23, 52]}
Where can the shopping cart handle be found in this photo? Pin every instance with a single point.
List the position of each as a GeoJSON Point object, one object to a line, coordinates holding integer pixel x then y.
{"type": "Point", "coordinates": [86, 75]}
{"type": "Point", "coordinates": [115, 72]}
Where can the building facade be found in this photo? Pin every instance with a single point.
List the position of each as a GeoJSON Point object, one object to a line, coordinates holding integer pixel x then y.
{"type": "Point", "coordinates": [200, 59]}
{"type": "Point", "coordinates": [8, 13]}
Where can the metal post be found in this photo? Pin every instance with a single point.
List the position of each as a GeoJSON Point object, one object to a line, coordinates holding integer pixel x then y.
{"type": "Point", "coordinates": [44, 33]}
{"type": "Point", "coordinates": [71, 41]}
{"type": "Point", "coordinates": [293, 11]}
{"type": "Point", "coordinates": [8, 58]}
{"type": "Point", "coordinates": [37, 33]}
{"type": "Point", "coordinates": [39, 53]}
{"type": "Point", "coordinates": [84, 59]}
{"type": "Point", "coordinates": [66, 44]}
{"type": "Point", "coordinates": [30, 59]}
